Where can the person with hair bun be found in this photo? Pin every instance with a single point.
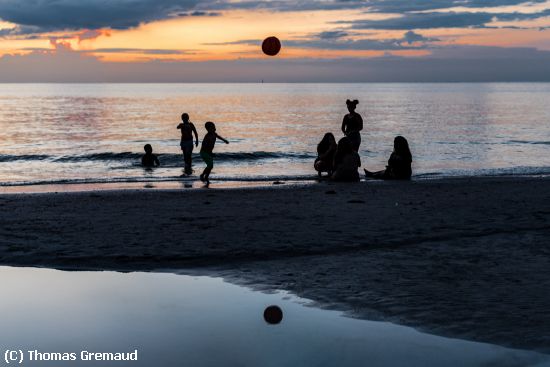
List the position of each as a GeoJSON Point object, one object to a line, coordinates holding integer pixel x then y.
{"type": "Point", "coordinates": [352, 124]}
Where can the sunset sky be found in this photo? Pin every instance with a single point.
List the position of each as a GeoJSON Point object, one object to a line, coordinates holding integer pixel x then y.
{"type": "Point", "coordinates": [219, 40]}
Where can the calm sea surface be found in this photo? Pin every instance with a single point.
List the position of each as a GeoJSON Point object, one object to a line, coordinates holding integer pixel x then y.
{"type": "Point", "coordinates": [94, 133]}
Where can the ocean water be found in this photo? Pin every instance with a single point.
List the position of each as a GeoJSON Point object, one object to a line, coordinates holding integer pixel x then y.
{"type": "Point", "coordinates": [94, 133]}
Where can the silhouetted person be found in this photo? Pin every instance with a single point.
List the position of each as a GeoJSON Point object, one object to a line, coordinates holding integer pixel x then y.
{"type": "Point", "coordinates": [346, 162]}
{"type": "Point", "coordinates": [207, 147]}
{"type": "Point", "coordinates": [149, 159]}
{"type": "Point", "coordinates": [187, 130]}
{"type": "Point", "coordinates": [399, 164]}
{"type": "Point", "coordinates": [352, 124]}
{"type": "Point", "coordinates": [325, 154]}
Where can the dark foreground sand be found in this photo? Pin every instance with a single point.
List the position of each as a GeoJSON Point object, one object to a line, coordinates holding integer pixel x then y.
{"type": "Point", "coordinates": [466, 258]}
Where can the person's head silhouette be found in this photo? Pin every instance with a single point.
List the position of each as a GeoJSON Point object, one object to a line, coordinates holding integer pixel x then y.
{"type": "Point", "coordinates": [184, 117]}
{"type": "Point", "coordinates": [401, 146]}
{"type": "Point", "coordinates": [328, 139]}
{"type": "Point", "coordinates": [210, 126]}
{"type": "Point", "coordinates": [148, 148]}
{"type": "Point", "coordinates": [344, 146]}
{"type": "Point", "coordinates": [352, 105]}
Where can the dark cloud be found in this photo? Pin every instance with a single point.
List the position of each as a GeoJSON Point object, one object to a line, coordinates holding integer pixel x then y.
{"type": "Point", "coordinates": [409, 41]}
{"type": "Point", "coordinates": [20, 30]}
{"type": "Point", "coordinates": [412, 37]}
{"type": "Point", "coordinates": [47, 15]}
{"type": "Point", "coordinates": [401, 6]}
{"type": "Point", "coordinates": [198, 13]}
{"type": "Point", "coordinates": [40, 16]}
{"type": "Point", "coordinates": [332, 34]}
{"type": "Point", "coordinates": [426, 21]}
{"type": "Point", "coordinates": [285, 5]}
{"type": "Point", "coordinates": [372, 6]}
{"type": "Point", "coordinates": [444, 20]}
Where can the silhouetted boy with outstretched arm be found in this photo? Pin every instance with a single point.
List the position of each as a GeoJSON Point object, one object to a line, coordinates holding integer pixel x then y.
{"type": "Point", "coordinates": [207, 147]}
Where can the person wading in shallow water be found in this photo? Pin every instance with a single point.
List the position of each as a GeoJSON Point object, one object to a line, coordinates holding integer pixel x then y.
{"type": "Point", "coordinates": [187, 130]}
{"type": "Point", "coordinates": [352, 124]}
{"type": "Point", "coordinates": [149, 159]}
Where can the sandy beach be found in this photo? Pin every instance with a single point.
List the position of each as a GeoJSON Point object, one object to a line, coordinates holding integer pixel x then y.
{"type": "Point", "coordinates": [465, 257]}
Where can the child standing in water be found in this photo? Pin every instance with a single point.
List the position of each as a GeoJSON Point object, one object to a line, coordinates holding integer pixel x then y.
{"type": "Point", "coordinates": [187, 130]}
{"type": "Point", "coordinates": [206, 149]}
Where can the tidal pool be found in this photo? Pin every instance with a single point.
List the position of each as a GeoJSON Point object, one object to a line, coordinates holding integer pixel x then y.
{"type": "Point", "coordinates": [180, 320]}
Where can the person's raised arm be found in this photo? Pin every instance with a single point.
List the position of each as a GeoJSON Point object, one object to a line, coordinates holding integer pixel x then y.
{"type": "Point", "coordinates": [179, 126]}
{"type": "Point", "coordinates": [222, 139]}
{"type": "Point", "coordinates": [196, 135]}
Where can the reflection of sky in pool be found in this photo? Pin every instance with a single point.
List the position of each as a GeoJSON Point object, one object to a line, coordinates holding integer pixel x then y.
{"type": "Point", "coordinates": [176, 320]}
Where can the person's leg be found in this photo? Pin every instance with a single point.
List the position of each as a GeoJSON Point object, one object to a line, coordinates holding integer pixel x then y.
{"type": "Point", "coordinates": [209, 160]}
{"type": "Point", "coordinates": [209, 168]}
{"type": "Point", "coordinates": [188, 156]}
{"type": "Point", "coordinates": [318, 165]}
{"type": "Point", "coordinates": [355, 139]}
{"type": "Point", "coordinates": [182, 146]}
{"type": "Point", "coordinates": [206, 174]}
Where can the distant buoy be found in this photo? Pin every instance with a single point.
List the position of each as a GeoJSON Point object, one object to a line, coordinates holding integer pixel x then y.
{"type": "Point", "coordinates": [271, 46]}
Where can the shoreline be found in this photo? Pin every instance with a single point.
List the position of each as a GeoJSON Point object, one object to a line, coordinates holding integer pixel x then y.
{"type": "Point", "coordinates": [159, 186]}
{"type": "Point", "coordinates": [193, 182]}
{"type": "Point", "coordinates": [461, 257]}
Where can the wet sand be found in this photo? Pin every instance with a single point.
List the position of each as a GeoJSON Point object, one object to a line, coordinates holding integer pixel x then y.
{"type": "Point", "coordinates": [466, 258]}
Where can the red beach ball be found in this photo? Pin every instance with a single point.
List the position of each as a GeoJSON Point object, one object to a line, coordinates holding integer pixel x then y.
{"type": "Point", "coordinates": [271, 46]}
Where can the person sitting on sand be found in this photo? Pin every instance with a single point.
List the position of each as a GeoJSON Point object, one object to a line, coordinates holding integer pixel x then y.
{"type": "Point", "coordinates": [346, 162]}
{"type": "Point", "coordinates": [325, 154]}
{"type": "Point", "coordinates": [207, 147]}
{"type": "Point", "coordinates": [399, 164]}
{"type": "Point", "coordinates": [149, 159]}
{"type": "Point", "coordinates": [187, 130]}
{"type": "Point", "coordinates": [352, 124]}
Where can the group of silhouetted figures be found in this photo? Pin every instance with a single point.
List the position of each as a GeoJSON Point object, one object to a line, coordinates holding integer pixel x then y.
{"type": "Point", "coordinates": [188, 129]}
{"type": "Point", "coordinates": [341, 160]}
